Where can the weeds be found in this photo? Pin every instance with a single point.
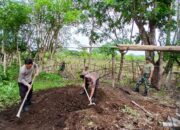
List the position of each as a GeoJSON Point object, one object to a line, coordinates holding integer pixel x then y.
{"type": "Point", "coordinates": [129, 110]}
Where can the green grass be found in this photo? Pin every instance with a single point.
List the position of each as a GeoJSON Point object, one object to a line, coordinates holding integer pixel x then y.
{"type": "Point", "coordinates": [9, 94]}
{"type": "Point", "coordinates": [130, 111]}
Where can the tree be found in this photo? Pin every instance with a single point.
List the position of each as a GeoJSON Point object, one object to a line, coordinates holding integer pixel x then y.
{"type": "Point", "coordinates": [105, 24]}
{"type": "Point", "coordinates": [171, 58]}
{"type": "Point", "coordinates": [13, 16]}
{"type": "Point", "coordinates": [48, 18]}
{"type": "Point", "coordinates": [148, 15]}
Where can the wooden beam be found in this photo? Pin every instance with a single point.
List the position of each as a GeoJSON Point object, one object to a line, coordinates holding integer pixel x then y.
{"type": "Point", "coordinates": [133, 102]}
{"type": "Point", "coordinates": [148, 48]}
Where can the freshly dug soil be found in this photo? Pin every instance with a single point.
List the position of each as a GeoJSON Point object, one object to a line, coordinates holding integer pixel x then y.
{"type": "Point", "coordinates": [65, 109]}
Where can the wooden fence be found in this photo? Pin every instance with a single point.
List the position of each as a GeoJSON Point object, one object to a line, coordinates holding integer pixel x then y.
{"type": "Point", "coordinates": [130, 73]}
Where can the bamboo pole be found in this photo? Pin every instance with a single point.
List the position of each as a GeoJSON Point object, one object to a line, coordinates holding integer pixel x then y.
{"type": "Point", "coordinates": [149, 48]}
{"type": "Point", "coordinates": [113, 77]}
{"type": "Point", "coordinates": [133, 70]}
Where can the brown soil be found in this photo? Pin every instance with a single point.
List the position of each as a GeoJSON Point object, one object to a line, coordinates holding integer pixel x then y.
{"type": "Point", "coordinates": [65, 109]}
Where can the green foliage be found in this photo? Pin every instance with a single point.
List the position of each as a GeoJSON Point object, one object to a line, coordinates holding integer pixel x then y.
{"type": "Point", "coordinates": [8, 94]}
{"type": "Point", "coordinates": [49, 76]}
{"type": "Point", "coordinates": [12, 72]}
{"type": "Point", "coordinates": [145, 11]}
{"type": "Point", "coordinates": [13, 16]}
{"type": "Point", "coordinates": [2, 76]}
{"type": "Point", "coordinates": [117, 13]}
{"type": "Point", "coordinates": [8, 86]}
{"type": "Point", "coordinates": [11, 75]}
{"type": "Point", "coordinates": [56, 12]}
{"type": "Point", "coordinates": [108, 50]}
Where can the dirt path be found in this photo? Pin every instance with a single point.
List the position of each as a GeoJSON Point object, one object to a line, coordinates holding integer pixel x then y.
{"type": "Point", "coordinates": [65, 109]}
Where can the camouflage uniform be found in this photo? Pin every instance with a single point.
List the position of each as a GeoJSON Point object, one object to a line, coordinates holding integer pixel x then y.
{"type": "Point", "coordinates": [148, 68]}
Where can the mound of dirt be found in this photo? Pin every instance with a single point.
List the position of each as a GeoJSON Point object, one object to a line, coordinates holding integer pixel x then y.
{"type": "Point", "coordinates": [65, 109]}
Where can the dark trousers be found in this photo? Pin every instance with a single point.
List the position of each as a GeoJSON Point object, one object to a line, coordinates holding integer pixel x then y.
{"type": "Point", "coordinates": [22, 91]}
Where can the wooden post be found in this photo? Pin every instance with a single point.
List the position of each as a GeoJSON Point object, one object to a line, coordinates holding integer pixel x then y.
{"type": "Point", "coordinates": [84, 63]}
{"type": "Point", "coordinates": [149, 48]}
{"type": "Point", "coordinates": [133, 70]}
{"type": "Point", "coordinates": [115, 70]}
{"type": "Point", "coordinates": [105, 70]}
{"type": "Point", "coordinates": [121, 64]}
{"type": "Point", "coordinates": [90, 49]}
{"type": "Point", "coordinates": [113, 77]}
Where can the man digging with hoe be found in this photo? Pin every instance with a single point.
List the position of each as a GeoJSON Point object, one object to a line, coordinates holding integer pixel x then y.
{"type": "Point", "coordinates": [92, 80]}
{"type": "Point", "coordinates": [25, 81]}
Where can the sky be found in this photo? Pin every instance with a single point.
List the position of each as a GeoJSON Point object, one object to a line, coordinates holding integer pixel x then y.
{"type": "Point", "coordinates": [84, 40]}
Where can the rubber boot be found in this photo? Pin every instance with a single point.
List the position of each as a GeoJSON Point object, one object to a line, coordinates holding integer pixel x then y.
{"type": "Point", "coordinates": [145, 93]}
{"type": "Point", "coordinates": [25, 108]}
{"type": "Point", "coordinates": [136, 89]}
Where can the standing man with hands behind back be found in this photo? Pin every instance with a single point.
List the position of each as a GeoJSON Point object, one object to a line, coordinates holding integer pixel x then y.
{"type": "Point", "coordinates": [25, 80]}
{"type": "Point", "coordinates": [146, 77]}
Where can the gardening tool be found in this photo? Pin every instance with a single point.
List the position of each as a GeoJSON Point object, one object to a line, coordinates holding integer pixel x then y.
{"type": "Point", "coordinates": [90, 100]}
{"type": "Point", "coordinates": [22, 104]}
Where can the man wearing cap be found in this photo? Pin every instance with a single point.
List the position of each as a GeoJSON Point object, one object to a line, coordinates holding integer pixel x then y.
{"type": "Point", "coordinates": [146, 77]}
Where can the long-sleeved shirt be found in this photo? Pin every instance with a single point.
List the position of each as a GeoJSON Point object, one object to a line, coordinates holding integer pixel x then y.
{"type": "Point", "coordinates": [25, 75]}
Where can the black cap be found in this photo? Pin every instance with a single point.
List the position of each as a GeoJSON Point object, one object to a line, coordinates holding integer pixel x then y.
{"type": "Point", "coordinates": [28, 61]}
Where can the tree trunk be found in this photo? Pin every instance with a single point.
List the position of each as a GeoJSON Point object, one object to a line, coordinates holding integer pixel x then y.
{"type": "Point", "coordinates": [4, 55]}
{"type": "Point", "coordinates": [132, 30]}
{"type": "Point", "coordinates": [17, 50]}
{"type": "Point", "coordinates": [133, 70]}
{"type": "Point", "coordinates": [4, 63]}
{"type": "Point", "coordinates": [4, 59]}
{"type": "Point", "coordinates": [147, 38]}
{"type": "Point", "coordinates": [89, 58]}
{"type": "Point", "coordinates": [160, 75]}
{"type": "Point", "coordinates": [168, 66]}
{"type": "Point", "coordinates": [19, 58]}
{"type": "Point", "coordinates": [121, 65]}
{"type": "Point", "coordinates": [54, 38]}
